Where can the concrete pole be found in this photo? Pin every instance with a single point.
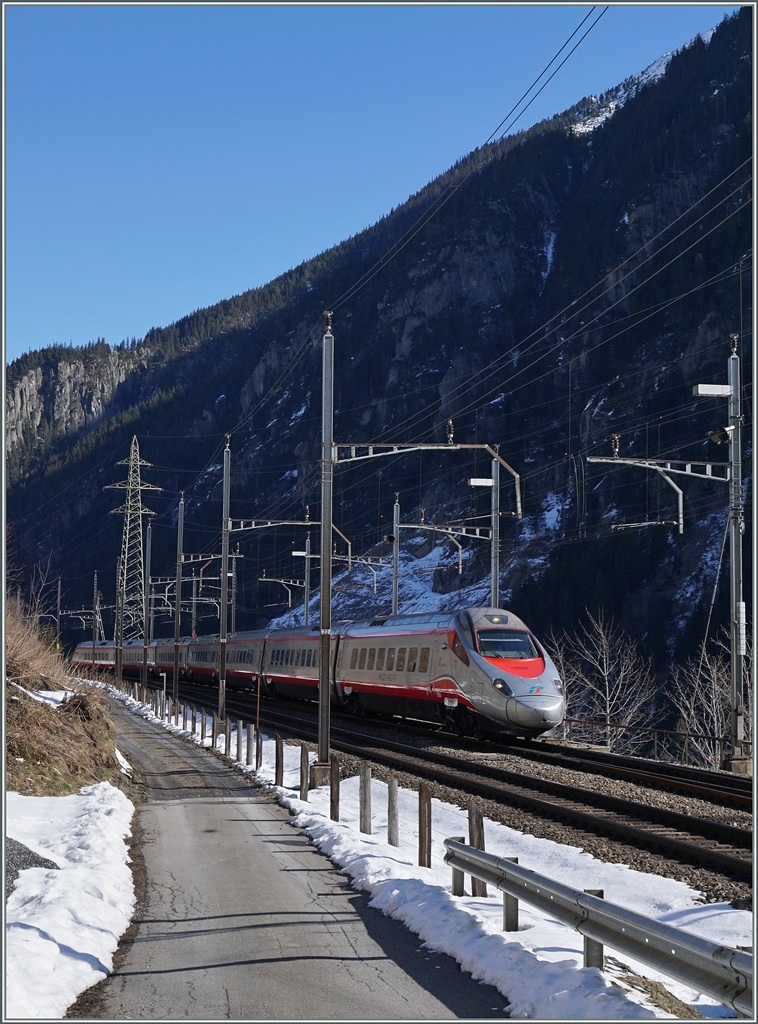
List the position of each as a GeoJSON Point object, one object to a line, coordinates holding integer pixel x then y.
{"type": "Point", "coordinates": [325, 597]}
{"type": "Point", "coordinates": [307, 580]}
{"type": "Point", "coordinates": [148, 585]}
{"type": "Point", "coordinates": [178, 598]}
{"type": "Point", "coordinates": [234, 592]}
{"type": "Point", "coordinates": [146, 601]}
{"type": "Point", "coordinates": [395, 553]}
{"type": "Point", "coordinates": [225, 528]}
{"type": "Point", "coordinates": [119, 656]}
{"type": "Point", "coordinates": [736, 528]}
{"type": "Point", "coordinates": [94, 620]}
{"type": "Point", "coordinates": [495, 539]}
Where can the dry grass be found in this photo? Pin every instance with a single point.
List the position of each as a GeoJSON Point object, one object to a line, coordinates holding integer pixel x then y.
{"type": "Point", "coordinates": [30, 659]}
{"type": "Point", "coordinates": [52, 752]}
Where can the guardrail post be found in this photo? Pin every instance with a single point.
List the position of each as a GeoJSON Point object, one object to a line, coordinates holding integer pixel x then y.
{"type": "Point", "coordinates": [214, 730]}
{"type": "Point", "coordinates": [228, 737]}
{"type": "Point", "coordinates": [239, 740]}
{"type": "Point", "coordinates": [202, 726]}
{"type": "Point", "coordinates": [424, 826]}
{"type": "Point", "coordinates": [476, 839]}
{"type": "Point", "coordinates": [510, 906]}
{"type": "Point", "coordinates": [193, 718]}
{"type": "Point", "coordinates": [279, 763]}
{"type": "Point", "coordinates": [334, 788]}
{"type": "Point", "coordinates": [249, 757]}
{"type": "Point", "coordinates": [304, 780]}
{"type": "Point", "coordinates": [593, 950]}
{"type": "Point", "coordinates": [258, 748]}
{"type": "Point", "coordinates": [456, 886]}
{"type": "Point", "coordinates": [393, 836]}
{"type": "Point", "coordinates": [364, 799]}
{"type": "Point", "coordinates": [184, 716]}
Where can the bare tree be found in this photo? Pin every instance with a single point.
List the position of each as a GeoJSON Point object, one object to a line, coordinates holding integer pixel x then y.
{"type": "Point", "coordinates": [611, 680]}
{"type": "Point", "coordinates": [569, 671]}
{"type": "Point", "coordinates": [701, 691]}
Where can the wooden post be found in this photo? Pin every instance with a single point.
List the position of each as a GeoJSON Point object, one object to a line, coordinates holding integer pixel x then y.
{"type": "Point", "coordinates": [510, 906]}
{"type": "Point", "coordinates": [364, 799]}
{"type": "Point", "coordinates": [228, 737]}
{"type": "Point", "coordinates": [258, 748]}
{"type": "Point", "coordinates": [304, 780]}
{"type": "Point", "coordinates": [279, 764]}
{"type": "Point", "coordinates": [239, 740]}
{"type": "Point", "coordinates": [476, 839]}
{"type": "Point", "coordinates": [334, 788]}
{"type": "Point", "coordinates": [214, 730]}
{"type": "Point", "coordinates": [593, 950]}
{"type": "Point", "coordinates": [249, 757]}
{"type": "Point", "coordinates": [393, 836]}
{"type": "Point", "coordinates": [193, 717]}
{"type": "Point", "coordinates": [184, 716]}
{"type": "Point", "coordinates": [424, 826]}
{"type": "Point", "coordinates": [456, 885]}
{"type": "Point", "coordinates": [202, 726]}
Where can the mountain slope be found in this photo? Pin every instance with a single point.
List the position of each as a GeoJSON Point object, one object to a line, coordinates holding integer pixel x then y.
{"type": "Point", "coordinates": [554, 299]}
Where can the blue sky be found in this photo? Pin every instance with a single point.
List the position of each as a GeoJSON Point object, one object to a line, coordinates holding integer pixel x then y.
{"type": "Point", "coordinates": [161, 158]}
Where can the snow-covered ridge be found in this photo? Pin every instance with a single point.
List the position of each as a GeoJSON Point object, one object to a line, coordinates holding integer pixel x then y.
{"type": "Point", "coordinates": [616, 97]}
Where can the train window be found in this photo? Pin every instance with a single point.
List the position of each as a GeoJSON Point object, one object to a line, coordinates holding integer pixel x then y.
{"type": "Point", "coordinates": [390, 659]}
{"type": "Point", "coordinates": [400, 659]}
{"type": "Point", "coordinates": [412, 653]}
{"type": "Point", "coordinates": [380, 659]}
{"type": "Point", "coordinates": [371, 655]}
{"type": "Point", "coordinates": [298, 652]}
{"type": "Point", "coordinates": [506, 643]}
{"type": "Point", "coordinates": [354, 657]}
{"type": "Point", "coordinates": [302, 656]}
{"type": "Point", "coordinates": [362, 659]}
{"type": "Point", "coordinates": [423, 661]}
{"type": "Point", "coordinates": [459, 650]}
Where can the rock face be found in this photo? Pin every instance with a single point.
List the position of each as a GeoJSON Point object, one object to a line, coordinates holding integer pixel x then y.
{"type": "Point", "coordinates": [575, 283]}
{"type": "Point", "coordinates": [63, 397]}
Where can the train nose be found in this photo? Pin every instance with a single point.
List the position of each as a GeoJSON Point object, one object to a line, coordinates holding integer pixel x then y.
{"type": "Point", "coordinates": [537, 713]}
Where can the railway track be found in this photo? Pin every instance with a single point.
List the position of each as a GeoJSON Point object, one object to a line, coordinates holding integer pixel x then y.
{"type": "Point", "coordinates": [733, 791]}
{"type": "Point", "coordinates": [719, 847]}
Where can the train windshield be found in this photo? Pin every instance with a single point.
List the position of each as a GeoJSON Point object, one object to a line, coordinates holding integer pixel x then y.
{"type": "Point", "coordinates": [506, 643]}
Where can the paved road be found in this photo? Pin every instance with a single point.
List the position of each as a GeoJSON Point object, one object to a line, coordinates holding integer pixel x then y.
{"type": "Point", "coordinates": [243, 919]}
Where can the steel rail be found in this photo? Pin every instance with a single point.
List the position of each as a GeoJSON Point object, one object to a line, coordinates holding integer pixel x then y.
{"type": "Point", "coordinates": [724, 973]}
{"type": "Point", "coordinates": [591, 811]}
{"type": "Point", "coordinates": [727, 790]}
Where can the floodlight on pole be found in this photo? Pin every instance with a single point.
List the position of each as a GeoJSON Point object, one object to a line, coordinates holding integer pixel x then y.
{"type": "Point", "coordinates": [493, 483]}
{"type": "Point", "coordinates": [731, 434]}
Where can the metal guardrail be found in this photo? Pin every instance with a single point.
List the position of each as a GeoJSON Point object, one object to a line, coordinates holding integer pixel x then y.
{"type": "Point", "coordinates": [721, 972]}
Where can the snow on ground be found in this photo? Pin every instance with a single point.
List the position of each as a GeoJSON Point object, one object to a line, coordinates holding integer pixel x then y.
{"type": "Point", "coordinates": [62, 926]}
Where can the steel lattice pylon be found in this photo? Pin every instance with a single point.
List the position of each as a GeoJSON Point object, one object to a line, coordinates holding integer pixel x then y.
{"type": "Point", "coordinates": [131, 574]}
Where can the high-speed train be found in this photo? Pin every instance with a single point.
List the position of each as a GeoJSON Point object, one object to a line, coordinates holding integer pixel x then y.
{"type": "Point", "coordinates": [476, 668]}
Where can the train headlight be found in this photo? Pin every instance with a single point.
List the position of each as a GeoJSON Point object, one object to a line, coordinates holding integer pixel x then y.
{"type": "Point", "coordinates": [503, 687]}
{"type": "Point", "coordinates": [558, 685]}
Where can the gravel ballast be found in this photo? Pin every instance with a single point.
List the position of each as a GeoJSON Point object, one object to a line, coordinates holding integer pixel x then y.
{"type": "Point", "coordinates": [17, 858]}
